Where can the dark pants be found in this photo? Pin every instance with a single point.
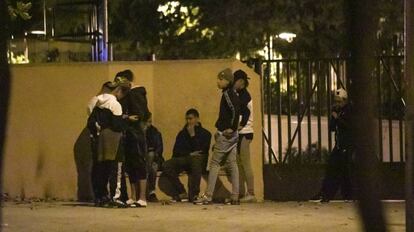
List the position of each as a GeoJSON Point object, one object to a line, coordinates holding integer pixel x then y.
{"type": "Point", "coordinates": [152, 168]}
{"type": "Point", "coordinates": [193, 165]}
{"type": "Point", "coordinates": [338, 175]}
{"type": "Point", "coordinates": [105, 172]}
{"type": "Point", "coordinates": [136, 152]}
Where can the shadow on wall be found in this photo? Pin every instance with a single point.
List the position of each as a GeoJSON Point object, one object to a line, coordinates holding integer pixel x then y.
{"type": "Point", "coordinates": [83, 160]}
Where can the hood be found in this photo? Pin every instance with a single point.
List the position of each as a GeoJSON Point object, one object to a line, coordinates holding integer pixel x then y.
{"type": "Point", "coordinates": [109, 101]}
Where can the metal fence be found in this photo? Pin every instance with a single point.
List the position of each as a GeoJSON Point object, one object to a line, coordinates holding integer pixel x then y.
{"type": "Point", "coordinates": [298, 98]}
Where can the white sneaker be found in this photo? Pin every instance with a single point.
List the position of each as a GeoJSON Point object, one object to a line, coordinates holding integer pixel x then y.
{"type": "Point", "coordinates": [131, 203]}
{"type": "Point", "coordinates": [141, 203]}
{"type": "Point", "coordinates": [248, 199]}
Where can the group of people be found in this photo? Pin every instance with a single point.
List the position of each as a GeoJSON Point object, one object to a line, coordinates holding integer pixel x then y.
{"type": "Point", "coordinates": [125, 143]}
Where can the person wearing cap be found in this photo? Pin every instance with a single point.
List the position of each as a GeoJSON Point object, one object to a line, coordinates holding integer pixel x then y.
{"type": "Point", "coordinates": [241, 82]}
{"type": "Point", "coordinates": [338, 168]}
{"type": "Point", "coordinates": [226, 137]}
{"type": "Point", "coordinates": [135, 106]}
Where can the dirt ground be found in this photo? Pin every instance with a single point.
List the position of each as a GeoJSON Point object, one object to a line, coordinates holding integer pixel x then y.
{"type": "Point", "coordinates": [185, 217]}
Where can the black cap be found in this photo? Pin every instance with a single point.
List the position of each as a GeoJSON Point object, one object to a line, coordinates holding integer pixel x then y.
{"type": "Point", "coordinates": [240, 74]}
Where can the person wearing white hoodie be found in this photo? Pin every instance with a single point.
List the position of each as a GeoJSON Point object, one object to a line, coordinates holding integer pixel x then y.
{"type": "Point", "coordinates": [106, 125]}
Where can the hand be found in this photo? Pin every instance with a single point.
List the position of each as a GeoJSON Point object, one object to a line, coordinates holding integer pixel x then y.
{"type": "Point", "coordinates": [191, 130]}
{"type": "Point", "coordinates": [335, 115]}
{"type": "Point", "coordinates": [133, 118]}
{"type": "Point", "coordinates": [227, 133]}
{"type": "Point", "coordinates": [195, 153]}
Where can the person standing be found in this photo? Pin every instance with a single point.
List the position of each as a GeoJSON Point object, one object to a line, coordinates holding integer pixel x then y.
{"type": "Point", "coordinates": [337, 174]}
{"type": "Point", "coordinates": [241, 83]}
{"type": "Point", "coordinates": [226, 137]}
{"type": "Point", "coordinates": [135, 105]}
{"type": "Point", "coordinates": [106, 126]}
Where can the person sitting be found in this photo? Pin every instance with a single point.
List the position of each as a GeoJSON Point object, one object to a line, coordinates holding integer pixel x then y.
{"type": "Point", "coordinates": [190, 154]}
{"type": "Point", "coordinates": [154, 158]}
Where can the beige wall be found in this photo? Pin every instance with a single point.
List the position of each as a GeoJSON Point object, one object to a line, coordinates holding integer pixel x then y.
{"type": "Point", "coordinates": [48, 112]}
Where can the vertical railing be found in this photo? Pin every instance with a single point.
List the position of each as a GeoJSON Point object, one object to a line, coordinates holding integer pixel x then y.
{"type": "Point", "coordinates": [307, 96]}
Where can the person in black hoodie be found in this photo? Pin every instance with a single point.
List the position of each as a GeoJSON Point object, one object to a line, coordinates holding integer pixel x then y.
{"type": "Point", "coordinates": [339, 163]}
{"type": "Point", "coordinates": [106, 125]}
{"type": "Point", "coordinates": [226, 137]}
{"type": "Point", "coordinates": [154, 158]}
{"type": "Point", "coordinates": [190, 154]}
{"type": "Point", "coordinates": [135, 105]}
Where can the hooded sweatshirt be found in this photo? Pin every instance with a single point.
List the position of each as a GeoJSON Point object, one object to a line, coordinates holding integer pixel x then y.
{"type": "Point", "coordinates": [246, 112]}
{"type": "Point", "coordinates": [229, 111]}
{"type": "Point", "coordinates": [106, 114]}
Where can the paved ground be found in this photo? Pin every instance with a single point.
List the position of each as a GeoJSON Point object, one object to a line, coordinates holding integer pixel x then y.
{"type": "Point", "coordinates": [184, 217]}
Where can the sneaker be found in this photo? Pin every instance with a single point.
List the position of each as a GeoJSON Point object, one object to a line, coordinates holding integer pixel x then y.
{"type": "Point", "coordinates": [248, 199]}
{"type": "Point", "coordinates": [131, 203]}
{"type": "Point", "coordinates": [203, 200]}
{"type": "Point", "coordinates": [141, 203]}
{"type": "Point", "coordinates": [232, 202]}
{"type": "Point", "coordinates": [183, 197]}
{"type": "Point", "coordinates": [118, 204]}
{"type": "Point", "coordinates": [153, 198]}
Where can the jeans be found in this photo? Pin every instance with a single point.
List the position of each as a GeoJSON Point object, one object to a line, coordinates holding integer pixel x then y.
{"type": "Point", "coordinates": [225, 152]}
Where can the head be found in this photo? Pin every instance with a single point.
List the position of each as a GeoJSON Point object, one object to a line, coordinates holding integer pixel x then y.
{"type": "Point", "coordinates": [240, 80]}
{"type": "Point", "coordinates": [192, 117]}
{"type": "Point", "coordinates": [118, 88]}
{"type": "Point", "coordinates": [225, 79]}
{"type": "Point", "coordinates": [341, 97]}
{"type": "Point", "coordinates": [105, 88]}
{"type": "Point", "coordinates": [126, 74]}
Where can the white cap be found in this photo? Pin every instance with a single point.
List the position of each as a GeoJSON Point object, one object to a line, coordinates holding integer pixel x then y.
{"type": "Point", "coordinates": [341, 93]}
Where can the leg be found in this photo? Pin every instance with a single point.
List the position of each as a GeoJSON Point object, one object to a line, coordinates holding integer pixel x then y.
{"type": "Point", "coordinates": [152, 172]}
{"type": "Point", "coordinates": [172, 168]}
{"type": "Point", "coordinates": [231, 163]}
{"type": "Point", "coordinates": [115, 180]}
{"type": "Point", "coordinates": [213, 172]}
{"type": "Point", "coordinates": [247, 171]}
{"type": "Point", "coordinates": [331, 182]}
{"type": "Point", "coordinates": [194, 177]}
{"type": "Point", "coordinates": [346, 185]}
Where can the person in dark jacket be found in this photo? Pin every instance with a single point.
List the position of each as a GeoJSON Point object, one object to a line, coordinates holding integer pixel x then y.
{"type": "Point", "coordinates": [190, 154]}
{"type": "Point", "coordinates": [226, 137]}
{"type": "Point", "coordinates": [154, 158]}
{"type": "Point", "coordinates": [338, 169]}
{"type": "Point", "coordinates": [135, 105]}
{"type": "Point", "coordinates": [241, 83]}
{"type": "Point", "coordinates": [106, 125]}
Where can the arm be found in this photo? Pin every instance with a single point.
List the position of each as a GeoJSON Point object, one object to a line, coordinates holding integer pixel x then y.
{"type": "Point", "coordinates": [179, 144]}
{"type": "Point", "coordinates": [245, 99]}
{"type": "Point", "coordinates": [159, 147]}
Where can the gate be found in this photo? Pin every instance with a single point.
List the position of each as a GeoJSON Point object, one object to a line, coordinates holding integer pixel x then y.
{"type": "Point", "coordinates": [297, 98]}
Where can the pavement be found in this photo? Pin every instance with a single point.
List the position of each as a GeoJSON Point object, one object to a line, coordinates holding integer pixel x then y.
{"type": "Point", "coordinates": [185, 217]}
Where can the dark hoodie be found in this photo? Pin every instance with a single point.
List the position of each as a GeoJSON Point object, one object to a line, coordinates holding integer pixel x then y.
{"type": "Point", "coordinates": [135, 103]}
{"type": "Point", "coordinates": [342, 127]}
{"type": "Point", "coordinates": [185, 144]}
{"type": "Point", "coordinates": [229, 111]}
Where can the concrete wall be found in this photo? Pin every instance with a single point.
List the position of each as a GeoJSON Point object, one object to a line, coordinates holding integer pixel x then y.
{"type": "Point", "coordinates": [48, 113]}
